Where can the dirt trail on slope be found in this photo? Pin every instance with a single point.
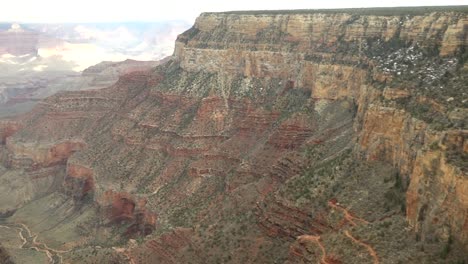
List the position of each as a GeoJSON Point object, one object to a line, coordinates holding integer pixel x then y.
{"type": "Point", "coordinates": [29, 241]}
{"type": "Point", "coordinates": [348, 216]}
{"type": "Point", "coordinates": [353, 221]}
{"type": "Point", "coordinates": [125, 253]}
{"type": "Point", "coordinates": [315, 239]}
{"type": "Point", "coordinates": [367, 246]}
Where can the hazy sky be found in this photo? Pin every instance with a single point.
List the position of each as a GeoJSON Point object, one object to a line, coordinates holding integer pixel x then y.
{"type": "Point", "coordinates": [156, 10]}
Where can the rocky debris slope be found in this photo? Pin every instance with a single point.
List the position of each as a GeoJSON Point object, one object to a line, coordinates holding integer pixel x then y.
{"type": "Point", "coordinates": [289, 136]}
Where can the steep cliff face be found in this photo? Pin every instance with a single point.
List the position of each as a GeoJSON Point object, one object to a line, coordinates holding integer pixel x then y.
{"type": "Point", "coordinates": [305, 136]}
{"type": "Point", "coordinates": [326, 54]}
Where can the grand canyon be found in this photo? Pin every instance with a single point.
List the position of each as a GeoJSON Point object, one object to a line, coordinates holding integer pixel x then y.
{"type": "Point", "coordinates": [38, 60]}
{"type": "Point", "coordinates": [295, 136]}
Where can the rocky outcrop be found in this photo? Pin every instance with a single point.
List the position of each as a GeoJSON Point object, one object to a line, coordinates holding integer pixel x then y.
{"type": "Point", "coordinates": [42, 155]}
{"type": "Point", "coordinates": [124, 208]}
{"type": "Point", "coordinates": [110, 71]}
{"type": "Point", "coordinates": [436, 198]}
{"type": "Point", "coordinates": [421, 156]}
{"type": "Point", "coordinates": [7, 129]}
{"type": "Point", "coordinates": [80, 180]}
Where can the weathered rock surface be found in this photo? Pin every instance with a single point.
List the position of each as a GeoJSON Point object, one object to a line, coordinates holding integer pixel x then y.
{"type": "Point", "coordinates": [292, 137]}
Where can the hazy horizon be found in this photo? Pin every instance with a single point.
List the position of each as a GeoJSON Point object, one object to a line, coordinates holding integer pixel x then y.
{"type": "Point", "coordinates": [88, 11]}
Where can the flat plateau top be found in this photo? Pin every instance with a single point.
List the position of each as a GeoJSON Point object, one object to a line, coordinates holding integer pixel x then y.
{"type": "Point", "coordinates": [378, 11]}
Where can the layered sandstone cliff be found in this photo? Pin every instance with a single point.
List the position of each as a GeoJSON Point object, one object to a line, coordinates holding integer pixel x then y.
{"type": "Point", "coordinates": [307, 53]}
{"type": "Point", "coordinates": [296, 136]}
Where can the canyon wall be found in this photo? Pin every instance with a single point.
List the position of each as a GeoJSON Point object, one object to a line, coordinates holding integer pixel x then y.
{"type": "Point", "coordinates": [306, 51]}
{"type": "Point", "coordinates": [299, 136]}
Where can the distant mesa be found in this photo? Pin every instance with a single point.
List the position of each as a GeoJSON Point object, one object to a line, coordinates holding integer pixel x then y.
{"type": "Point", "coordinates": [38, 60]}
{"type": "Point", "coordinates": [18, 41]}
{"type": "Point", "coordinates": [16, 28]}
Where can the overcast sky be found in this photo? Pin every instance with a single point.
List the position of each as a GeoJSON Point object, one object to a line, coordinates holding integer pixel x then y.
{"type": "Point", "coordinates": [157, 10]}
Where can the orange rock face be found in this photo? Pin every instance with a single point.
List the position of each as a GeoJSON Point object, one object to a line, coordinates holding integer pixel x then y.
{"type": "Point", "coordinates": [437, 194]}
{"type": "Point", "coordinates": [437, 190]}
{"type": "Point", "coordinates": [83, 175]}
{"type": "Point", "coordinates": [122, 207]}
